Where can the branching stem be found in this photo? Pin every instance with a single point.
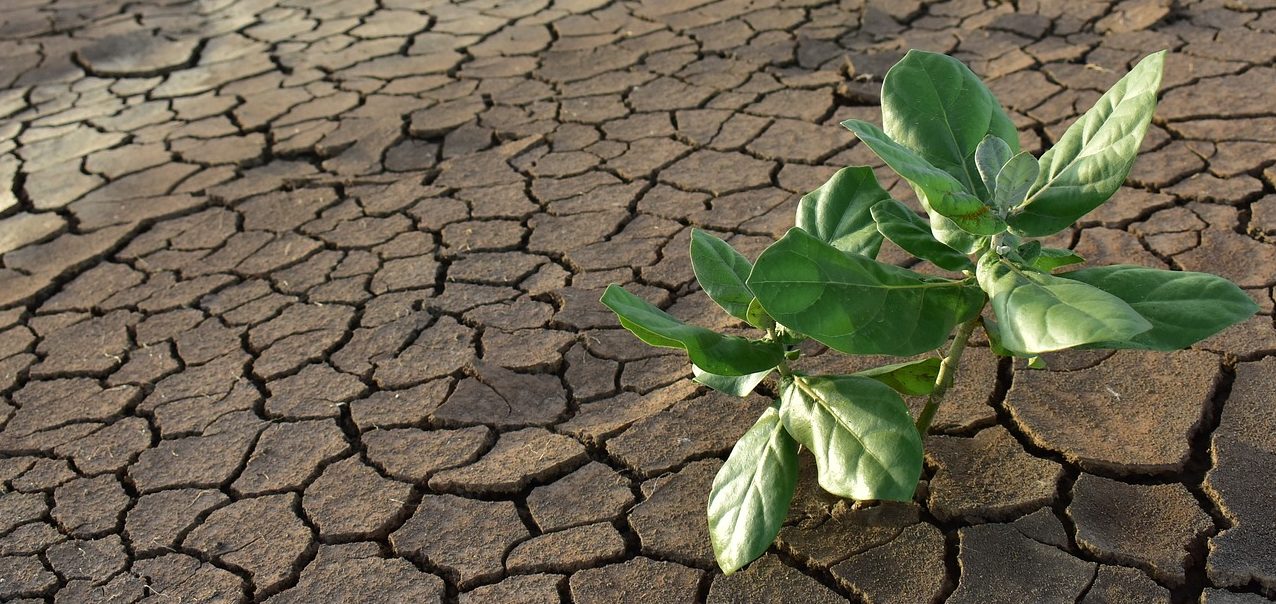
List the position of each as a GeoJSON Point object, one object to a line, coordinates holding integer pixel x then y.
{"type": "Point", "coordinates": [947, 369]}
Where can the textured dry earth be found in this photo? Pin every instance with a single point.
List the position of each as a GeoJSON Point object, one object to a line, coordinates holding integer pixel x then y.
{"type": "Point", "coordinates": [299, 303]}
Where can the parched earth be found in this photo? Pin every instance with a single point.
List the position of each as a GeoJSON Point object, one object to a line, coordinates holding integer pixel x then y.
{"type": "Point", "coordinates": [298, 303]}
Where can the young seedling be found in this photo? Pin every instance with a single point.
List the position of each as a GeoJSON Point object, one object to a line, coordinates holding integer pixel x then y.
{"type": "Point", "coordinates": [985, 200]}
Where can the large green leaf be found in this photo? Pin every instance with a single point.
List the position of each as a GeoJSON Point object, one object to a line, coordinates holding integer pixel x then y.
{"type": "Point", "coordinates": [1094, 155]}
{"type": "Point", "coordinates": [750, 495]}
{"type": "Point", "coordinates": [913, 378]}
{"type": "Point", "coordinates": [735, 385]}
{"type": "Point", "coordinates": [1183, 307]}
{"type": "Point", "coordinates": [930, 183]}
{"type": "Point", "coordinates": [1038, 312]}
{"type": "Point", "coordinates": [855, 304]}
{"type": "Point", "coordinates": [712, 352]}
{"type": "Point", "coordinates": [910, 232]}
{"type": "Point", "coordinates": [934, 105]}
{"type": "Point", "coordinates": [861, 434]}
{"type": "Point", "coordinates": [993, 332]}
{"type": "Point", "coordinates": [838, 212]}
{"type": "Point", "coordinates": [721, 272]}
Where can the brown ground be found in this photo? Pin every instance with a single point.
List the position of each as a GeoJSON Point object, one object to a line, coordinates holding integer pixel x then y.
{"type": "Point", "coordinates": [299, 303]}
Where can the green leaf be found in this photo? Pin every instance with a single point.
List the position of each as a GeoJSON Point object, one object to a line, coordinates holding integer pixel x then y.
{"type": "Point", "coordinates": [1094, 155]}
{"type": "Point", "coordinates": [968, 213]}
{"type": "Point", "coordinates": [904, 161]}
{"type": "Point", "coordinates": [861, 433]}
{"type": "Point", "coordinates": [837, 213]}
{"type": "Point", "coordinates": [1029, 251]}
{"type": "Point", "coordinates": [938, 190]}
{"type": "Point", "coordinates": [899, 224]}
{"type": "Point", "coordinates": [750, 495]}
{"type": "Point", "coordinates": [735, 385]}
{"type": "Point", "coordinates": [713, 352]}
{"type": "Point", "coordinates": [930, 183]}
{"type": "Point", "coordinates": [1050, 258]}
{"type": "Point", "coordinates": [952, 235]}
{"type": "Point", "coordinates": [756, 315]}
{"type": "Point", "coordinates": [721, 272]}
{"type": "Point", "coordinates": [1183, 307]}
{"type": "Point", "coordinates": [1014, 180]}
{"type": "Point", "coordinates": [1040, 312]}
{"type": "Point", "coordinates": [912, 378]}
{"type": "Point", "coordinates": [855, 304]}
{"type": "Point", "coordinates": [991, 154]}
{"type": "Point", "coordinates": [993, 331]}
{"type": "Point", "coordinates": [934, 105]}
{"type": "Point", "coordinates": [789, 336]}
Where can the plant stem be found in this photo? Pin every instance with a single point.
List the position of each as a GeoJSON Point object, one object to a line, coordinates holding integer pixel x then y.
{"type": "Point", "coordinates": [947, 369]}
{"type": "Point", "coordinates": [783, 367]}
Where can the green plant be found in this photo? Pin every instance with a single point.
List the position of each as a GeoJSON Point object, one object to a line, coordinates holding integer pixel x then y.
{"type": "Point", "coordinates": [946, 135]}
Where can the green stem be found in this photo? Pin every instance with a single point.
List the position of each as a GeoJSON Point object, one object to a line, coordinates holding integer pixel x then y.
{"type": "Point", "coordinates": [947, 369]}
{"type": "Point", "coordinates": [783, 367]}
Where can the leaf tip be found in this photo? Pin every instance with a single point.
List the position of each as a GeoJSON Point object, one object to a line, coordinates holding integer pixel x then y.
{"type": "Point", "coordinates": [853, 125]}
{"type": "Point", "coordinates": [610, 293]}
{"type": "Point", "coordinates": [727, 569]}
{"type": "Point", "coordinates": [1156, 59]}
{"type": "Point", "coordinates": [1251, 307]}
{"type": "Point", "coordinates": [1156, 63]}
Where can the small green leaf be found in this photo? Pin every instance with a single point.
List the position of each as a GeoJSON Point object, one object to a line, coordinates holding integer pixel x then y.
{"type": "Point", "coordinates": [910, 232]}
{"type": "Point", "coordinates": [1036, 363]}
{"type": "Point", "coordinates": [1013, 181]}
{"type": "Point", "coordinates": [756, 315]}
{"type": "Point", "coordinates": [991, 154]}
{"type": "Point", "coordinates": [788, 336]}
{"type": "Point", "coordinates": [1094, 155]}
{"type": "Point", "coordinates": [750, 495]}
{"type": "Point", "coordinates": [861, 434]}
{"type": "Point", "coordinates": [969, 213]}
{"type": "Point", "coordinates": [1028, 252]}
{"type": "Point", "coordinates": [1050, 258]}
{"type": "Point", "coordinates": [912, 378]}
{"type": "Point", "coordinates": [1183, 307]}
{"type": "Point", "coordinates": [721, 272]}
{"type": "Point", "coordinates": [1040, 312]}
{"type": "Point", "coordinates": [934, 105]}
{"type": "Point", "coordinates": [837, 213]}
{"type": "Point", "coordinates": [713, 352]}
{"type": "Point", "coordinates": [855, 304]}
{"type": "Point", "coordinates": [735, 385]}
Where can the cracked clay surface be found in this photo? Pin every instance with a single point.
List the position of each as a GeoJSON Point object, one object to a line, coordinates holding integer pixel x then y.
{"type": "Point", "coordinates": [298, 303]}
